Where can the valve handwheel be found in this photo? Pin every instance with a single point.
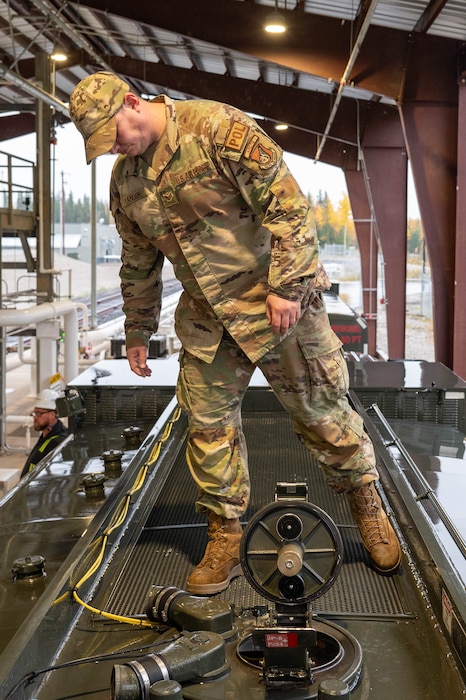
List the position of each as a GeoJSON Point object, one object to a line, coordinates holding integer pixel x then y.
{"type": "Point", "coordinates": [291, 552]}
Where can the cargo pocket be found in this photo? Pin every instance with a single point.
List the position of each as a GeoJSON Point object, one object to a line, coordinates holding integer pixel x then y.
{"type": "Point", "coordinates": [328, 377]}
{"type": "Point", "coordinates": [314, 332]}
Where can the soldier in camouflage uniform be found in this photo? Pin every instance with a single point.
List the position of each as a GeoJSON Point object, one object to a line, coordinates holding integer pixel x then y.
{"type": "Point", "coordinates": [200, 183]}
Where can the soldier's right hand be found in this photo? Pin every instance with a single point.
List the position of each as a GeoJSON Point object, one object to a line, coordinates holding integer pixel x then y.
{"type": "Point", "coordinates": [137, 358]}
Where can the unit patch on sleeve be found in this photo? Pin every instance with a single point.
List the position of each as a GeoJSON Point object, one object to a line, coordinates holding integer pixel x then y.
{"type": "Point", "coordinates": [261, 152]}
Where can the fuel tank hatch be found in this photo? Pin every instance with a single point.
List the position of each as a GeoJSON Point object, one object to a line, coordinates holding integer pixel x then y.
{"type": "Point", "coordinates": [291, 554]}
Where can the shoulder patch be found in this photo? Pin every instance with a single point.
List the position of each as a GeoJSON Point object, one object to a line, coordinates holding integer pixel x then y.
{"type": "Point", "coordinates": [236, 137]}
{"type": "Point", "coordinates": [264, 154]}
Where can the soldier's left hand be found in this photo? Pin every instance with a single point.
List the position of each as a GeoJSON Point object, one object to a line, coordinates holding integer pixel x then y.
{"type": "Point", "coordinates": [282, 314]}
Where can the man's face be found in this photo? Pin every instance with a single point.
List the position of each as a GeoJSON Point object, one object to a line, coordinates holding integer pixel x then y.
{"type": "Point", "coordinates": [42, 418]}
{"type": "Point", "coordinates": [132, 134]}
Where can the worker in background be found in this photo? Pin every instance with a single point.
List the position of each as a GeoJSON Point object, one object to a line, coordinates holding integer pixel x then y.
{"type": "Point", "coordinates": [52, 430]}
{"type": "Point", "coordinates": [200, 183]}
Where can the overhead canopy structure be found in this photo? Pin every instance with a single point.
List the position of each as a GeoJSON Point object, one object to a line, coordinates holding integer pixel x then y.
{"type": "Point", "coordinates": [366, 86]}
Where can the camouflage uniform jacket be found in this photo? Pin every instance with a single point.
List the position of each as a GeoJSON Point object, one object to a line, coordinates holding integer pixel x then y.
{"type": "Point", "coordinates": [215, 197]}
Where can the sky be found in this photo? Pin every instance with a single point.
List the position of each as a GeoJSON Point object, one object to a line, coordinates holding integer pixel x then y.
{"type": "Point", "coordinates": [74, 174]}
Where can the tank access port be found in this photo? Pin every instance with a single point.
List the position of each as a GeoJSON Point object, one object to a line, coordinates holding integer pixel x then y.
{"type": "Point", "coordinates": [291, 554]}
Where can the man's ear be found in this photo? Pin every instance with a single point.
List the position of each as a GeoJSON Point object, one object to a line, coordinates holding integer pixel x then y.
{"type": "Point", "coordinates": [131, 100]}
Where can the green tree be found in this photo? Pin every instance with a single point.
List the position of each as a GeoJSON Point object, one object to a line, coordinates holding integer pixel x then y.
{"type": "Point", "coordinates": [345, 224]}
{"type": "Point", "coordinates": [79, 212]}
{"type": "Point", "coordinates": [103, 212]}
{"type": "Point", "coordinates": [325, 219]}
{"type": "Point", "coordinates": [70, 209]}
{"type": "Point", "coordinates": [415, 236]}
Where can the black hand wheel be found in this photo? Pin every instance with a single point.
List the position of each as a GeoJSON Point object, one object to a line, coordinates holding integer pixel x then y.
{"type": "Point", "coordinates": [291, 552]}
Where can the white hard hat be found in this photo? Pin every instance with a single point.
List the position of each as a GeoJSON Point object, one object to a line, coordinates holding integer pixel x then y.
{"type": "Point", "coordinates": [47, 399]}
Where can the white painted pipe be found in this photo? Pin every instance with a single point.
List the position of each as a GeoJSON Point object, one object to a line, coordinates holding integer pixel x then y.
{"type": "Point", "coordinates": [82, 307]}
{"type": "Point", "coordinates": [71, 367]}
{"type": "Point", "coordinates": [47, 311]}
{"type": "Point", "coordinates": [32, 360]}
{"type": "Point", "coordinates": [98, 354]}
{"type": "Point", "coordinates": [104, 332]}
{"type": "Point", "coordinates": [68, 309]}
{"type": "Point", "coordinates": [27, 422]}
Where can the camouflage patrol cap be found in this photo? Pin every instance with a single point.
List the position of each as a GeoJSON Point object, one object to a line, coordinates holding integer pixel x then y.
{"type": "Point", "coordinates": [93, 105]}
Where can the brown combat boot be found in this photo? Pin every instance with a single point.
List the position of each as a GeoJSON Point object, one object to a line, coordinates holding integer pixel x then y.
{"type": "Point", "coordinates": [376, 531]}
{"type": "Point", "coordinates": [221, 561]}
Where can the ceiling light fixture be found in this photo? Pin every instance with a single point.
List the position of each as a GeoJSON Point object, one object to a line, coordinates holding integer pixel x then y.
{"type": "Point", "coordinates": [275, 22]}
{"type": "Point", "coordinates": [58, 54]}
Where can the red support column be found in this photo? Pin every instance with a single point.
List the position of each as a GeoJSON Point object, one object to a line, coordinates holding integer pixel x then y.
{"type": "Point", "coordinates": [459, 336]}
{"type": "Point", "coordinates": [431, 136]}
{"type": "Point", "coordinates": [387, 178]}
{"type": "Point", "coordinates": [368, 249]}
{"type": "Point", "coordinates": [429, 116]}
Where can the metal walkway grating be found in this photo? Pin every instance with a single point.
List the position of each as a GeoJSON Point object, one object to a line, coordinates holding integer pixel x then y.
{"type": "Point", "coordinates": [174, 536]}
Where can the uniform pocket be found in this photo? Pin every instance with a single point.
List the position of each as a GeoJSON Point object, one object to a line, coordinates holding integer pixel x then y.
{"type": "Point", "coordinates": [314, 332]}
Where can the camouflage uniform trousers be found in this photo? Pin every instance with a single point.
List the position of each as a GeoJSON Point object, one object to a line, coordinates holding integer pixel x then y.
{"type": "Point", "coordinates": [312, 390]}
